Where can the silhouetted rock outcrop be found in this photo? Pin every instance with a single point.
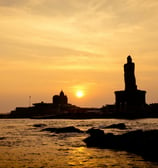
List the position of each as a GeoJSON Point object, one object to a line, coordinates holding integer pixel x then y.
{"type": "Point", "coordinates": [2, 138]}
{"type": "Point", "coordinates": [39, 125]}
{"type": "Point", "coordinates": [63, 130]}
{"type": "Point", "coordinates": [95, 132]}
{"type": "Point", "coordinates": [96, 138]}
{"type": "Point", "coordinates": [118, 126]}
{"type": "Point", "coordinates": [144, 143]}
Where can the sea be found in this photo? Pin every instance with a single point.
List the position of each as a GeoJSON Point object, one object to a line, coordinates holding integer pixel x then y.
{"type": "Point", "coordinates": [22, 145]}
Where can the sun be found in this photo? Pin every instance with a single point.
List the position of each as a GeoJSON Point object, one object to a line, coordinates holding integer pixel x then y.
{"type": "Point", "coordinates": [79, 93]}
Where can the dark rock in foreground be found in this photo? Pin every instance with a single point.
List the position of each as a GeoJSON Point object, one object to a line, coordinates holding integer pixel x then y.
{"type": "Point", "coordinates": [2, 138]}
{"type": "Point", "coordinates": [39, 125]}
{"type": "Point", "coordinates": [144, 143]}
{"type": "Point", "coordinates": [63, 130]}
{"type": "Point", "coordinates": [95, 132]}
{"type": "Point", "coordinates": [118, 126]}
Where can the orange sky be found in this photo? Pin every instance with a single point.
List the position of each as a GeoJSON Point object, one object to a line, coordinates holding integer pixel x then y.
{"type": "Point", "coordinates": [49, 45]}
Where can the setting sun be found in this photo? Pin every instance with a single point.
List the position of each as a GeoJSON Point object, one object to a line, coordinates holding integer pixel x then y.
{"type": "Point", "coordinates": [79, 93]}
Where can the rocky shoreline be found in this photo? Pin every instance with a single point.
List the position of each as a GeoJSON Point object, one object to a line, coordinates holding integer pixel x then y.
{"type": "Point", "coordinates": [143, 143]}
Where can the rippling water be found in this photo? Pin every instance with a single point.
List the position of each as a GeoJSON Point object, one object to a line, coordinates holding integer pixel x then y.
{"type": "Point", "coordinates": [23, 145]}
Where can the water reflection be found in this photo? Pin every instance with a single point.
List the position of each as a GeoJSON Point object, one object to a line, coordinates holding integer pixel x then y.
{"type": "Point", "coordinates": [26, 146]}
{"type": "Point", "coordinates": [89, 158]}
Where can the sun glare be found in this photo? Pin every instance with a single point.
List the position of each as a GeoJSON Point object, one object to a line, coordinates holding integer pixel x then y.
{"type": "Point", "coordinates": [79, 93]}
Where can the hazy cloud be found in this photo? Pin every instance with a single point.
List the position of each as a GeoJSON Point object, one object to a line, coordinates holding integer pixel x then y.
{"type": "Point", "coordinates": [92, 26]}
{"type": "Point", "coordinates": [12, 3]}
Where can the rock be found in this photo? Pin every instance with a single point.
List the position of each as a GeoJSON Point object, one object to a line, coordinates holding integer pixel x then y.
{"type": "Point", "coordinates": [96, 138]}
{"type": "Point", "coordinates": [118, 126]}
{"type": "Point", "coordinates": [50, 129]}
{"type": "Point", "coordinates": [95, 132]}
{"type": "Point", "coordinates": [144, 143]}
{"type": "Point", "coordinates": [68, 129]}
{"type": "Point", "coordinates": [39, 125]}
{"type": "Point", "coordinates": [1, 138]}
{"type": "Point", "coordinates": [63, 130]}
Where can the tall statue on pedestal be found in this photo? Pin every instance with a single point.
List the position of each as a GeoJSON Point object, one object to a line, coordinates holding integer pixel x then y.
{"type": "Point", "coordinates": [131, 99]}
{"type": "Point", "coordinates": [129, 76]}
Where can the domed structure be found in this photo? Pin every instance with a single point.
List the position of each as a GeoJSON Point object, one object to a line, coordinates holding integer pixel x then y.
{"type": "Point", "coordinates": [60, 99]}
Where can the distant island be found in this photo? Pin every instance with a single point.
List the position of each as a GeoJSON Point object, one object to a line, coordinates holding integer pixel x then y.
{"type": "Point", "coordinates": [129, 104]}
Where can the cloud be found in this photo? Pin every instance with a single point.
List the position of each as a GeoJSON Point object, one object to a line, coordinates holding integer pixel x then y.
{"type": "Point", "coordinates": [13, 3]}
{"type": "Point", "coordinates": [72, 28]}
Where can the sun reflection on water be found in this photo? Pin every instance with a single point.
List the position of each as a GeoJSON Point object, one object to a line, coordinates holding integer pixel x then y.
{"type": "Point", "coordinates": [26, 146]}
{"type": "Point", "coordinates": [89, 158]}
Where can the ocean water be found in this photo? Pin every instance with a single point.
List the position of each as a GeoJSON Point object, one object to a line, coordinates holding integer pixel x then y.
{"type": "Point", "coordinates": [24, 146]}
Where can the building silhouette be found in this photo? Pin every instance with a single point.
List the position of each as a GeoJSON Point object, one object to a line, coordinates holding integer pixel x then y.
{"type": "Point", "coordinates": [60, 99]}
{"type": "Point", "coordinates": [129, 103]}
{"type": "Point", "coordinates": [58, 106]}
{"type": "Point", "coordinates": [131, 99]}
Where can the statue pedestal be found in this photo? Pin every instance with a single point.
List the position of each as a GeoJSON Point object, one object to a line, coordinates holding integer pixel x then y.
{"type": "Point", "coordinates": [128, 101]}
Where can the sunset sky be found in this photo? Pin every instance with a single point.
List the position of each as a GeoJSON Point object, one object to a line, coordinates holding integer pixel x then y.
{"type": "Point", "coordinates": [70, 45]}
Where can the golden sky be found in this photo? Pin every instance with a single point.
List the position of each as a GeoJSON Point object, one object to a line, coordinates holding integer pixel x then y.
{"type": "Point", "coordinates": [49, 45]}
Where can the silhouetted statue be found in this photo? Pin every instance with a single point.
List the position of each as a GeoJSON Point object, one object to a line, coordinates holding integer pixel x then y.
{"type": "Point", "coordinates": [130, 99]}
{"type": "Point", "coordinates": [129, 76]}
